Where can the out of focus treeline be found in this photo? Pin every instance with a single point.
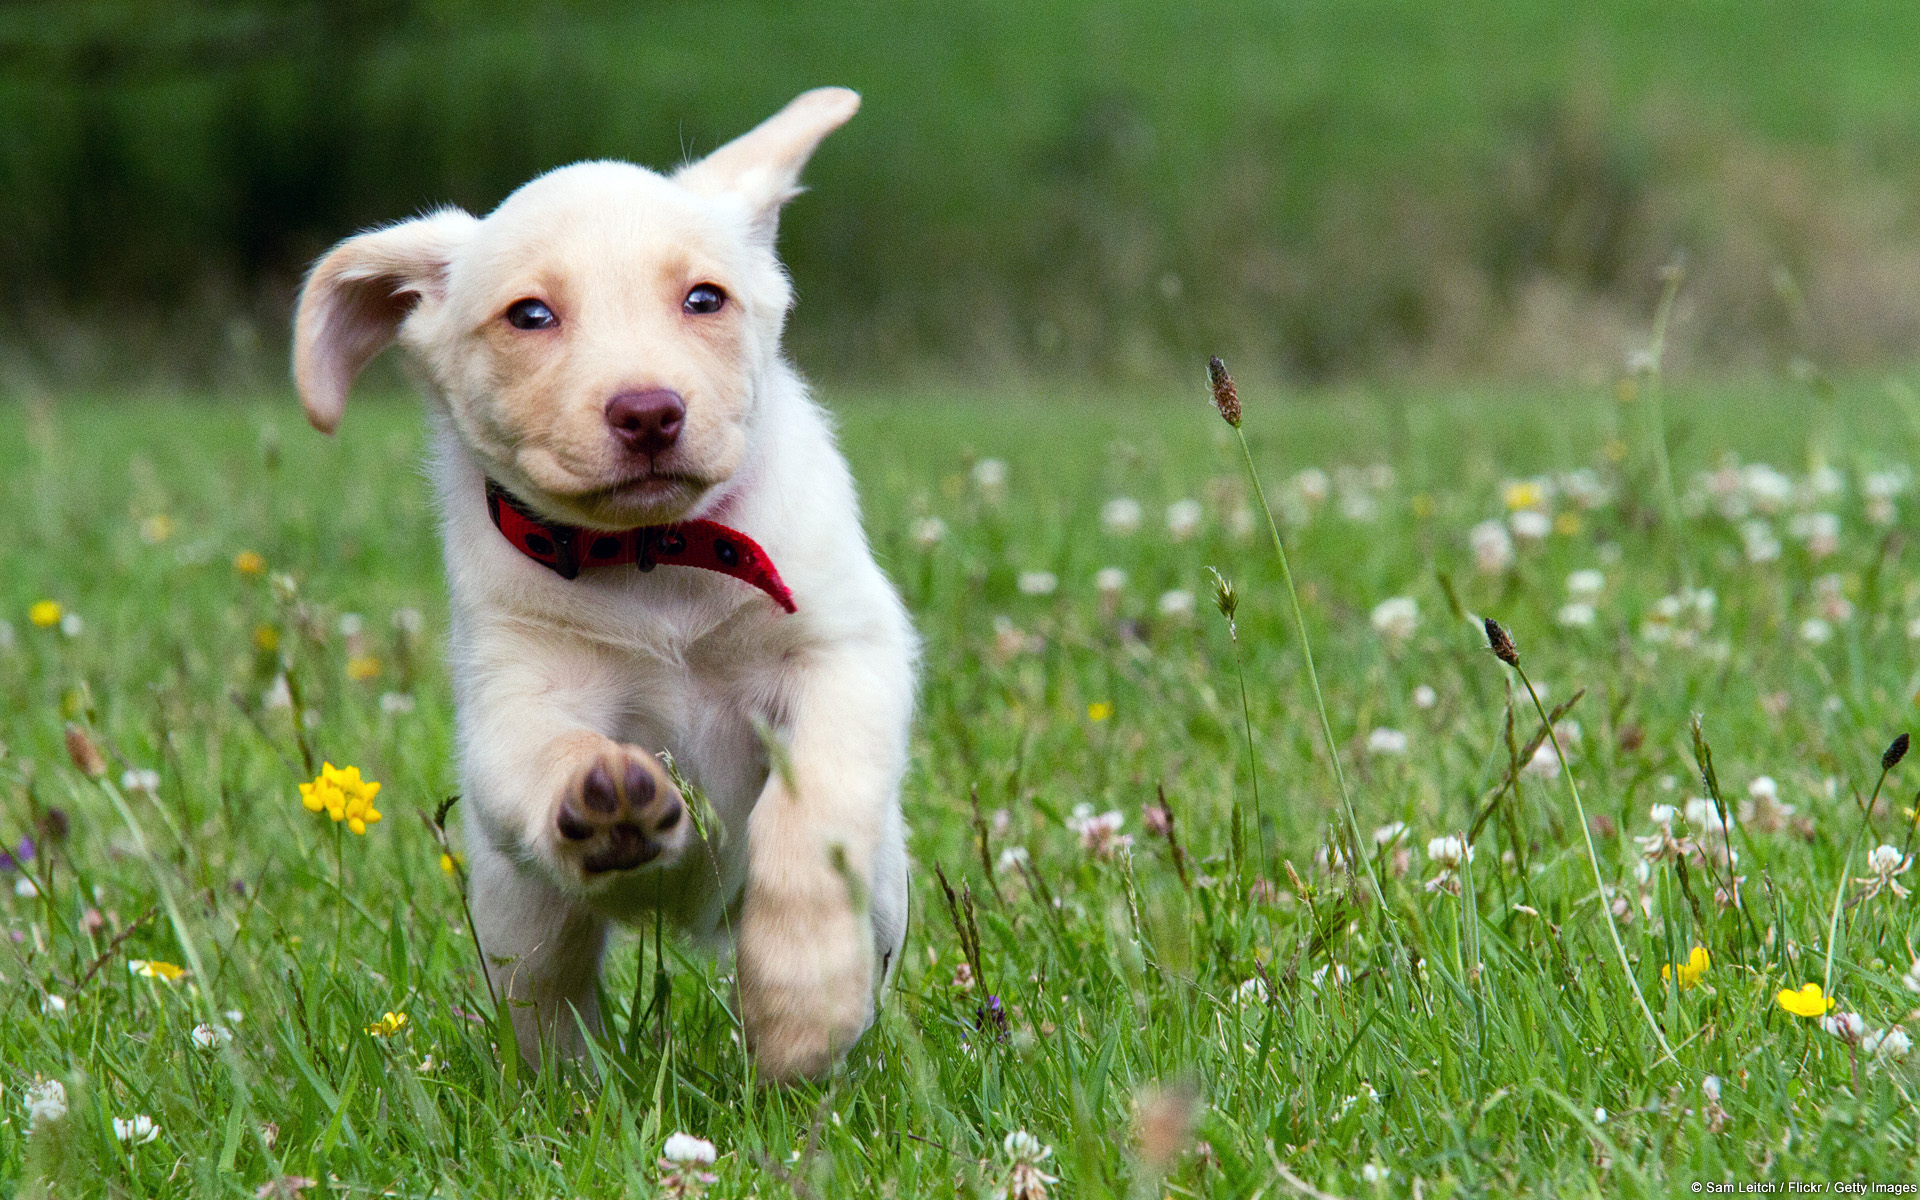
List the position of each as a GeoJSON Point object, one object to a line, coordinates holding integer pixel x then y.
{"type": "Point", "coordinates": [1317, 187]}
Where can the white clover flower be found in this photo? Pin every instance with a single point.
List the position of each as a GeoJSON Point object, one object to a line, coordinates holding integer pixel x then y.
{"type": "Point", "coordinates": [1492, 547]}
{"type": "Point", "coordinates": [396, 704]}
{"type": "Point", "coordinates": [1768, 489]}
{"type": "Point", "coordinates": [1099, 833]}
{"type": "Point", "coordinates": [1313, 485]}
{"type": "Point", "coordinates": [211, 1037]}
{"type": "Point", "coordinates": [1373, 1172]}
{"type": "Point", "coordinates": [685, 1148]}
{"type": "Point", "coordinates": [990, 475]}
{"type": "Point", "coordinates": [1544, 763]}
{"type": "Point", "coordinates": [1586, 584]}
{"type": "Point", "coordinates": [1764, 788]}
{"type": "Point", "coordinates": [1703, 813]}
{"type": "Point", "coordinates": [1758, 539]}
{"type": "Point", "coordinates": [46, 1102]}
{"type": "Point", "coordinates": [352, 624]}
{"type": "Point", "coordinates": [1888, 1044]}
{"type": "Point", "coordinates": [1037, 583]}
{"type": "Point", "coordinates": [140, 779]}
{"type": "Point", "coordinates": [1110, 579]}
{"type": "Point", "coordinates": [1389, 833]}
{"type": "Point", "coordinates": [1912, 978]}
{"type": "Point", "coordinates": [1177, 603]}
{"type": "Point", "coordinates": [1847, 1026]}
{"type": "Point", "coordinates": [1530, 524]}
{"type": "Point", "coordinates": [1120, 516]}
{"type": "Point", "coordinates": [1012, 858]}
{"type": "Point", "coordinates": [1710, 1087]}
{"type": "Point", "coordinates": [137, 1130]}
{"type": "Point", "coordinates": [1577, 615]}
{"type": "Point", "coordinates": [1599, 1116]}
{"type": "Point", "coordinates": [1183, 519]}
{"type": "Point", "coordinates": [1663, 815]}
{"type": "Point", "coordinates": [277, 695]}
{"type": "Point", "coordinates": [1815, 631]}
{"type": "Point", "coordinates": [1025, 1180]}
{"type": "Point", "coordinates": [408, 621]}
{"type": "Point", "coordinates": [72, 626]}
{"type": "Point", "coordinates": [1819, 530]}
{"type": "Point", "coordinates": [928, 532]}
{"type": "Point", "coordinates": [1397, 617]}
{"type": "Point", "coordinates": [1251, 990]}
{"type": "Point", "coordinates": [25, 888]}
{"type": "Point", "coordinates": [1386, 741]}
{"type": "Point", "coordinates": [54, 1005]}
{"type": "Point", "coordinates": [1425, 697]}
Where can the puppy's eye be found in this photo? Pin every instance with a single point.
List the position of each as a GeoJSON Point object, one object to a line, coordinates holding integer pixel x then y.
{"type": "Point", "coordinates": [703, 299]}
{"type": "Point", "coordinates": [531, 314]}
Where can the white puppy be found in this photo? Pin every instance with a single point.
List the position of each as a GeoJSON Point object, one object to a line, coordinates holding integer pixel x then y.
{"type": "Point", "coordinates": [612, 412]}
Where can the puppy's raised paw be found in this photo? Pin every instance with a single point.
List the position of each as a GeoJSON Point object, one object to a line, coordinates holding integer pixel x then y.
{"type": "Point", "coordinates": [618, 812]}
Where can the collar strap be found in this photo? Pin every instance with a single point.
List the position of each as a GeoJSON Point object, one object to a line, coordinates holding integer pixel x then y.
{"type": "Point", "coordinates": [566, 550]}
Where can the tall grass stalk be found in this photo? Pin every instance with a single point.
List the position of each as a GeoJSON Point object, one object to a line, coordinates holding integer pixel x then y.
{"type": "Point", "coordinates": [1657, 418]}
{"type": "Point", "coordinates": [1227, 400]}
{"type": "Point", "coordinates": [1504, 649]}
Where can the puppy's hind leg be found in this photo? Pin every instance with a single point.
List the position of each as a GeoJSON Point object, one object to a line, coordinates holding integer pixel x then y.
{"type": "Point", "coordinates": [542, 953]}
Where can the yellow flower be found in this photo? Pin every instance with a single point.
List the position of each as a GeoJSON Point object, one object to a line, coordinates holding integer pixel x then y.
{"type": "Point", "coordinates": [1691, 970]}
{"type": "Point", "coordinates": [1567, 524]}
{"type": "Point", "coordinates": [1810, 1001]}
{"type": "Point", "coordinates": [249, 562]}
{"type": "Point", "coordinates": [156, 529]}
{"type": "Point", "coordinates": [362, 669]}
{"type": "Point", "coordinates": [343, 796]}
{"type": "Point", "coordinates": [266, 638]}
{"type": "Point", "coordinates": [1523, 493]}
{"type": "Point", "coordinates": [448, 863]}
{"type": "Point", "coordinates": [1422, 505]}
{"type": "Point", "coordinates": [46, 614]}
{"type": "Point", "coordinates": [1099, 710]}
{"type": "Point", "coordinates": [388, 1025]}
{"type": "Point", "coordinates": [155, 969]}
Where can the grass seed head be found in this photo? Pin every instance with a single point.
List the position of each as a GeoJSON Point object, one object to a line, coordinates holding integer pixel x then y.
{"type": "Point", "coordinates": [1225, 598]}
{"type": "Point", "coordinates": [1501, 643]}
{"type": "Point", "coordinates": [1896, 750]}
{"type": "Point", "coordinates": [1225, 397]}
{"type": "Point", "coordinates": [84, 753]}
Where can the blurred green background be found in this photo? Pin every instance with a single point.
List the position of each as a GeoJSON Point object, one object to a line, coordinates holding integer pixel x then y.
{"type": "Point", "coordinates": [1316, 188]}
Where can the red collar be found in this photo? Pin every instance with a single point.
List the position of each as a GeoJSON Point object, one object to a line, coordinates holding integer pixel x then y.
{"type": "Point", "coordinates": [566, 550]}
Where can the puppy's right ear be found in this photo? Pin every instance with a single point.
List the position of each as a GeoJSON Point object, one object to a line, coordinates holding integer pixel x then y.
{"type": "Point", "coordinates": [356, 297]}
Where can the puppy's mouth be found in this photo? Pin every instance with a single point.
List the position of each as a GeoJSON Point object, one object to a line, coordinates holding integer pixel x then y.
{"type": "Point", "coordinates": [646, 498]}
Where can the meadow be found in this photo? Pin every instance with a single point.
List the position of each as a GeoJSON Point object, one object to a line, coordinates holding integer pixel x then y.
{"type": "Point", "coordinates": [1155, 952]}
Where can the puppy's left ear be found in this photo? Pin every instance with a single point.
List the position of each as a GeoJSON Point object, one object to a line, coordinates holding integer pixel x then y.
{"type": "Point", "coordinates": [762, 166]}
{"type": "Point", "coordinates": [357, 296]}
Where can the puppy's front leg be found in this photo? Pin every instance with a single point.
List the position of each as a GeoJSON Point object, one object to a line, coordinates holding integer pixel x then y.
{"type": "Point", "coordinates": [562, 811]}
{"type": "Point", "coordinates": [826, 894]}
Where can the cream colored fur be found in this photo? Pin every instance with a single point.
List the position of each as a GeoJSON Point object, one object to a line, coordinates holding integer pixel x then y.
{"type": "Point", "coordinates": [802, 872]}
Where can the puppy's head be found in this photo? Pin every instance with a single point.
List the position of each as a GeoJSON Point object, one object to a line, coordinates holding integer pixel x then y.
{"type": "Point", "coordinates": [599, 340]}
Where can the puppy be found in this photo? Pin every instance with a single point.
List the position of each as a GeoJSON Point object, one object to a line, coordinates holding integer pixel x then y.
{"type": "Point", "coordinates": [653, 545]}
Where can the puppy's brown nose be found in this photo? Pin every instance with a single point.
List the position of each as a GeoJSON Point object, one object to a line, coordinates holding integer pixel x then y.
{"type": "Point", "coordinates": [647, 422]}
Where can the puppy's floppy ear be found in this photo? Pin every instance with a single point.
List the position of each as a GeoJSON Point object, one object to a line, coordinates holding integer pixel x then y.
{"type": "Point", "coordinates": [762, 166]}
{"type": "Point", "coordinates": [356, 297]}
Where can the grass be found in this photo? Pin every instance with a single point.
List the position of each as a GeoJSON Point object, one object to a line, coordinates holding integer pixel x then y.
{"type": "Point", "coordinates": [1504, 1053]}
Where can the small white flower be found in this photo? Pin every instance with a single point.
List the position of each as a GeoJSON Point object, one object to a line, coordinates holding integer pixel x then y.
{"type": "Point", "coordinates": [1586, 584]}
{"type": "Point", "coordinates": [1599, 1116]}
{"type": "Point", "coordinates": [1530, 524]}
{"type": "Point", "coordinates": [211, 1037]}
{"type": "Point", "coordinates": [1449, 851]}
{"type": "Point", "coordinates": [1663, 815]}
{"type": "Point", "coordinates": [928, 531]}
{"type": "Point", "coordinates": [1544, 763]}
{"type": "Point", "coordinates": [1373, 1172]}
{"type": "Point", "coordinates": [278, 695]}
{"type": "Point", "coordinates": [1705, 814]}
{"type": "Point", "coordinates": [352, 624]}
{"type": "Point", "coordinates": [1390, 833]}
{"type": "Point", "coordinates": [46, 1101]}
{"type": "Point", "coordinates": [1890, 1043]}
{"type": "Point", "coordinates": [1099, 833]}
{"type": "Point", "coordinates": [6, 636]}
{"type": "Point", "coordinates": [1492, 547]}
{"type": "Point", "coordinates": [685, 1148]}
{"type": "Point", "coordinates": [1120, 516]}
{"type": "Point", "coordinates": [137, 1130]}
{"type": "Point", "coordinates": [1386, 741]}
{"type": "Point", "coordinates": [1912, 978]}
{"type": "Point", "coordinates": [1012, 858]}
{"type": "Point", "coordinates": [1577, 615]}
{"type": "Point", "coordinates": [72, 625]}
{"type": "Point", "coordinates": [408, 621]}
{"type": "Point", "coordinates": [1815, 632]}
{"type": "Point", "coordinates": [140, 779]}
{"type": "Point", "coordinates": [1764, 788]}
{"type": "Point", "coordinates": [1397, 617]}
{"type": "Point", "coordinates": [396, 704]}
{"type": "Point", "coordinates": [1760, 544]}
{"type": "Point", "coordinates": [1710, 1087]}
{"type": "Point", "coordinates": [25, 888]}
{"type": "Point", "coordinates": [1176, 603]}
{"type": "Point", "coordinates": [1037, 583]}
{"type": "Point", "coordinates": [1847, 1026]}
{"type": "Point", "coordinates": [990, 475]}
{"type": "Point", "coordinates": [1251, 990]}
{"type": "Point", "coordinates": [54, 1005]}
{"type": "Point", "coordinates": [1183, 519]}
{"type": "Point", "coordinates": [1425, 697]}
{"type": "Point", "coordinates": [1313, 485]}
{"type": "Point", "coordinates": [1885, 859]}
{"type": "Point", "coordinates": [1109, 580]}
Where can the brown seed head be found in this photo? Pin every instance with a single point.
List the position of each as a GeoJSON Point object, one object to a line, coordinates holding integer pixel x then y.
{"type": "Point", "coordinates": [85, 755]}
{"type": "Point", "coordinates": [1501, 643]}
{"type": "Point", "coordinates": [1895, 752]}
{"type": "Point", "coordinates": [1225, 397]}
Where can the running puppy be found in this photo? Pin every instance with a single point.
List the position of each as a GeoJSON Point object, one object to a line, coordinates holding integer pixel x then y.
{"type": "Point", "coordinates": [653, 545]}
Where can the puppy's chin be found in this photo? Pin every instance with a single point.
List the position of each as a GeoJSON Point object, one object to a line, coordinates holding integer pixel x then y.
{"type": "Point", "coordinates": [648, 500]}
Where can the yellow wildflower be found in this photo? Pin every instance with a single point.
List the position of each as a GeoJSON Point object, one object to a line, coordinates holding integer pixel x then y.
{"type": "Point", "coordinates": [1523, 493]}
{"type": "Point", "coordinates": [1691, 970]}
{"type": "Point", "coordinates": [1422, 505]}
{"type": "Point", "coordinates": [46, 614]}
{"type": "Point", "coordinates": [155, 969]}
{"type": "Point", "coordinates": [266, 639]}
{"type": "Point", "coordinates": [1810, 1001]}
{"type": "Point", "coordinates": [362, 669]}
{"type": "Point", "coordinates": [250, 562]}
{"type": "Point", "coordinates": [449, 862]}
{"type": "Point", "coordinates": [388, 1025]}
{"type": "Point", "coordinates": [156, 529]}
{"type": "Point", "coordinates": [1567, 524]}
{"type": "Point", "coordinates": [1099, 710]}
{"type": "Point", "coordinates": [342, 795]}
